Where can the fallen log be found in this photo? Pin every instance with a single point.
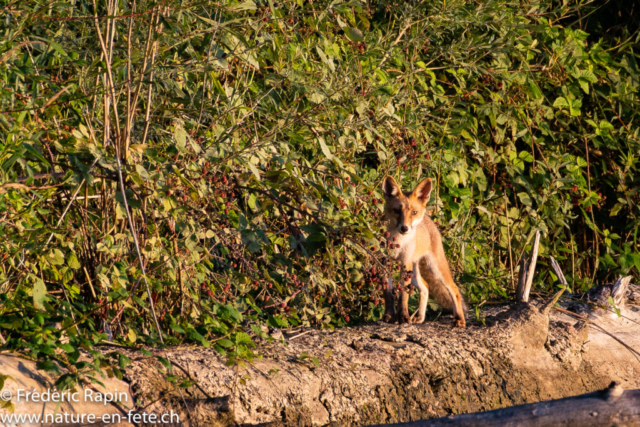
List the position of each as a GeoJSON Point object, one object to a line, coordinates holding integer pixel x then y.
{"type": "Point", "coordinates": [608, 407]}
{"type": "Point", "coordinates": [379, 373]}
{"type": "Point", "coordinates": [510, 354]}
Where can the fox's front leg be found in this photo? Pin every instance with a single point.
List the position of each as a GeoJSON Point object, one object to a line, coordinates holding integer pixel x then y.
{"type": "Point", "coordinates": [389, 311]}
{"type": "Point", "coordinates": [403, 302]}
{"type": "Point", "coordinates": [418, 282]}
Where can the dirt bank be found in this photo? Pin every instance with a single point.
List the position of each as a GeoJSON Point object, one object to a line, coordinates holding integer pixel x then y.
{"type": "Point", "coordinates": [383, 373]}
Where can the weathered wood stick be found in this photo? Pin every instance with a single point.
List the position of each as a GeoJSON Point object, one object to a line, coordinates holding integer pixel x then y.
{"type": "Point", "coordinates": [522, 293]}
{"type": "Point", "coordinates": [619, 291]}
{"type": "Point", "coordinates": [522, 275]}
{"type": "Point", "coordinates": [608, 407]}
{"type": "Point", "coordinates": [547, 306]}
{"type": "Point", "coordinates": [41, 176]}
{"type": "Point", "coordinates": [532, 268]}
{"type": "Point", "coordinates": [556, 269]}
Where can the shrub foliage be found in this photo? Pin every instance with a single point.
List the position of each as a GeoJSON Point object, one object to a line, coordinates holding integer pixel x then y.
{"type": "Point", "coordinates": [202, 168]}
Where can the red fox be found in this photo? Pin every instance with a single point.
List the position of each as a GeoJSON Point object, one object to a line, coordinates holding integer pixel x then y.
{"type": "Point", "coordinates": [418, 247]}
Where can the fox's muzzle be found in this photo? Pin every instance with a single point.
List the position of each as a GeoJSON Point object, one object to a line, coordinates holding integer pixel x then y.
{"type": "Point", "coordinates": [404, 229]}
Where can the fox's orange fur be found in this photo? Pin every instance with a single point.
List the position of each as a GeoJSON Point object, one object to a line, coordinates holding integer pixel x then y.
{"type": "Point", "coordinates": [420, 251]}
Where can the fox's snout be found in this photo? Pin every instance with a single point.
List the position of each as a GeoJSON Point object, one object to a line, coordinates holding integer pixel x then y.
{"type": "Point", "coordinates": [404, 222]}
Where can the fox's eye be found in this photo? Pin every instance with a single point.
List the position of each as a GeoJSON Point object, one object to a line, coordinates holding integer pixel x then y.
{"type": "Point", "coordinates": [397, 210]}
{"type": "Point", "coordinates": [414, 213]}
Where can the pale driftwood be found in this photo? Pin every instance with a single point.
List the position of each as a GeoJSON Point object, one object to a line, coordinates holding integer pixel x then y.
{"type": "Point", "coordinates": [532, 268]}
{"type": "Point", "coordinates": [556, 269]}
{"type": "Point", "coordinates": [524, 285]}
{"type": "Point", "coordinates": [619, 291]}
{"type": "Point", "coordinates": [609, 407]}
{"type": "Point", "coordinates": [596, 303]}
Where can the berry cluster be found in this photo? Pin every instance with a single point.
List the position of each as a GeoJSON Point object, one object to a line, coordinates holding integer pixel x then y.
{"type": "Point", "coordinates": [409, 153]}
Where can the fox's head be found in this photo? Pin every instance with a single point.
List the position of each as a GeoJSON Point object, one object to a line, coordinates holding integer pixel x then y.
{"type": "Point", "coordinates": [405, 210]}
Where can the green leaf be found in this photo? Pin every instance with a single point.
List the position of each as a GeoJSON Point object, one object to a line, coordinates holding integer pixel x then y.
{"type": "Point", "coordinates": [245, 5]}
{"type": "Point", "coordinates": [277, 322]}
{"type": "Point", "coordinates": [326, 60]}
{"type": "Point", "coordinates": [225, 343]}
{"type": "Point", "coordinates": [49, 366]}
{"type": "Point", "coordinates": [56, 257]}
{"type": "Point", "coordinates": [177, 328]}
{"type": "Point", "coordinates": [68, 348]}
{"type": "Point", "coordinates": [608, 260]}
{"type": "Point", "coordinates": [164, 361]}
{"type": "Point", "coordinates": [324, 148]}
{"type": "Point", "coordinates": [317, 98]}
{"type": "Point", "coordinates": [613, 304]}
{"type": "Point", "coordinates": [66, 382]}
{"type": "Point", "coordinates": [39, 293]}
{"type": "Point", "coordinates": [561, 102]}
{"type": "Point", "coordinates": [586, 75]}
{"type": "Point", "coordinates": [228, 312]}
{"type": "Point", "coordinates": [254, 170]}
{"type": "Point", "coordinates": [575, 106]}
{"type": "Point", "coordinates": [354, 34]}
{"type": "Point", "coordinates": [313, 359]}
{"type": "Point", "coordinates": [525, 199]}
{"type": "Point", "coordinates": [580, 35]}
{"type": "Point", "coordinates": [535, 91]}
{"type": "Point", "coordinates": [525, 156]}
{"type": "Point", "coordinates": [242, 338]}
{"type": "Point", "coordinates": [181, 137]}
{"type": "Point", "coordinates": [3, 378]}
{"type": "Point", "coordinates": [362, 22]}
{"type": "Point", "coordinates": [7, 405]}
{"type": "Point", "coordinates": [72, 261]}
{"type": "Point", "coordinates": [584, 85]}
{"type": "Point", "coordinates": [56, 46]}
{"type": "Point", "coordinates": [123, 361]}
{"type": "Point", "coordinates": [252, 201]}
{"type": "Point", "coordinates": [627, 262]}
{"type": "Point", "coordinates": [132, 336]}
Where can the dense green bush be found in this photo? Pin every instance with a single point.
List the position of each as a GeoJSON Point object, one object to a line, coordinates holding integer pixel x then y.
{"type": "Point", "coordinates": [250, 140]}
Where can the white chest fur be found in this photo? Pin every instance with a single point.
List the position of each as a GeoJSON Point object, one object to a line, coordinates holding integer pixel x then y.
{"type": "Point", "coordinates": [407, 245]}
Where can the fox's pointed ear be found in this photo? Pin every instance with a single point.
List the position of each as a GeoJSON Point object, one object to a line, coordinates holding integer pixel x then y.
{"type": "Point", "coordinates": [390, 187]}
{"type": "Point", "coordinates": [423, 191]}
